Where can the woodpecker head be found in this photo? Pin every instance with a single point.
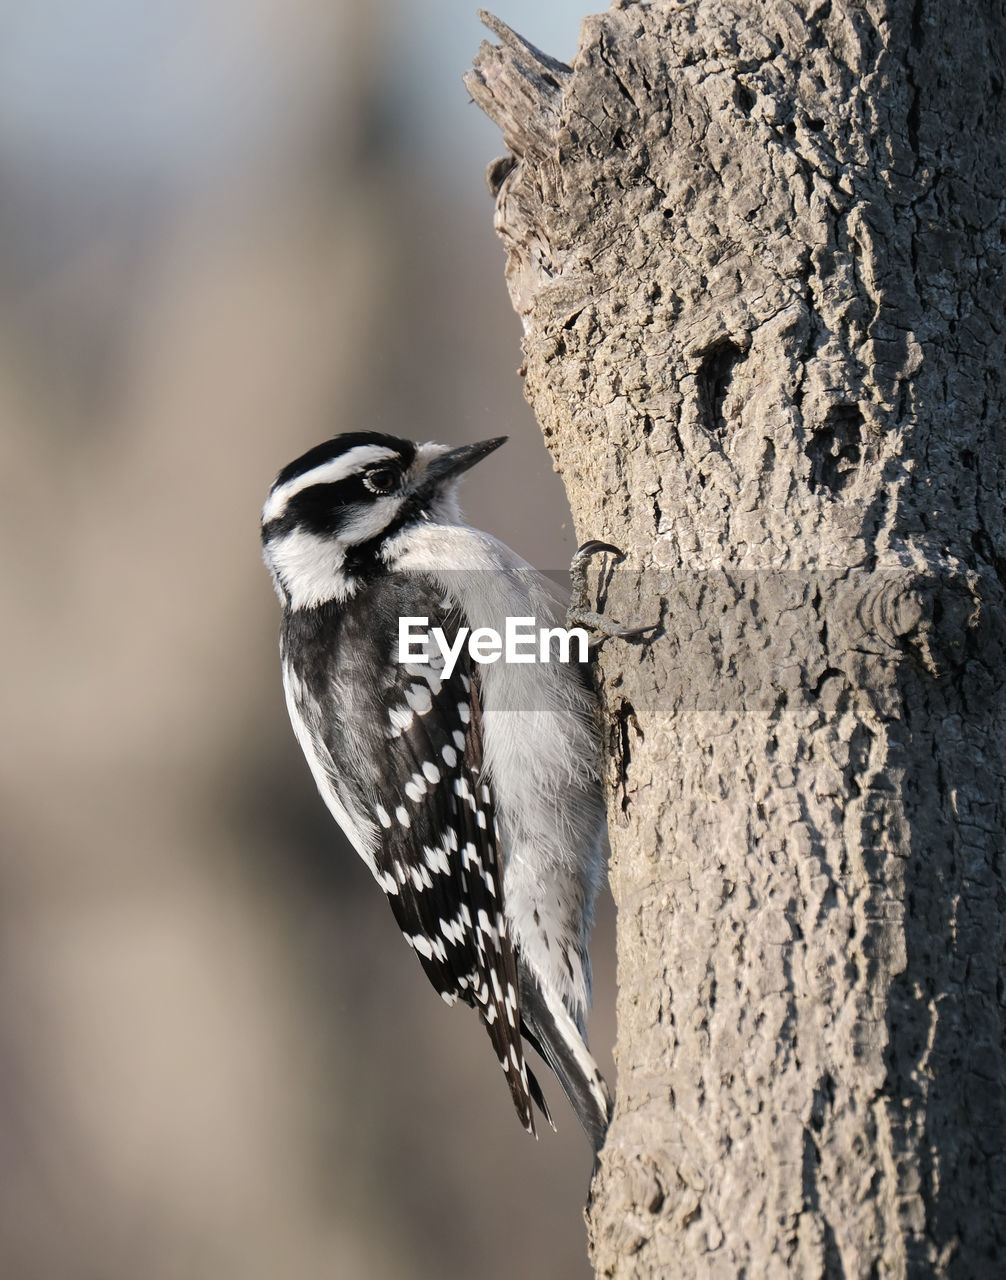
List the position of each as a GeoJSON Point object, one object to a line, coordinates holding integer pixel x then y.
{"type": "Point", "coordinates": [332, 513]}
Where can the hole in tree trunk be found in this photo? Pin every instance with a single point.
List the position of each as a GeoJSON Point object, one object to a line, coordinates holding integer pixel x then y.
{"type": "Point", "coordinates": [715, 373]}
{"type": "Point", "coordinates": [835, 449]}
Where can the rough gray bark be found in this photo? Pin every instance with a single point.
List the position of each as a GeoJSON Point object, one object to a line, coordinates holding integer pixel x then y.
{"type": "Point", "coordinates": [757, 252]}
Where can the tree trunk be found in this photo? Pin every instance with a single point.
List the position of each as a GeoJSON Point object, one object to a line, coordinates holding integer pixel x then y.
{"type": "Point", "coordinates": [757, 252]}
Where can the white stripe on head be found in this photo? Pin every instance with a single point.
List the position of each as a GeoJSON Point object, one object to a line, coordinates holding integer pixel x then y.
{"type": "Point", "coordinates": [326, 473]}
{"type": "Point", "coordinates": [308, 568]}
{"type": "Point", "coordinates": [369, 521]}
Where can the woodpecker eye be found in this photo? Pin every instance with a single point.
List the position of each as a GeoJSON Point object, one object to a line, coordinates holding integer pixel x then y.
{"type": "Point", "coordinates": [381, 479]}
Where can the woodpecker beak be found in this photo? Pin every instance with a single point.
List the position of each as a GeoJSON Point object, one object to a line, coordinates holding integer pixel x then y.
{"type": "Point", "coordinates": [451, 464]}
{"type": "Point", "coordinates": [445, 468]}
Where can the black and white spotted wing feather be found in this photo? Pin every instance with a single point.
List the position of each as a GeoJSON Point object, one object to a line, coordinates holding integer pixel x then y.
{"type": "Point", "coordinates": [419, 782]}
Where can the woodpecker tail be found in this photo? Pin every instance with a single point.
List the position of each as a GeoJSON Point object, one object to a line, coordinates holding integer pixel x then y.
{"type": "Point", "coordinates": [547, 1026]}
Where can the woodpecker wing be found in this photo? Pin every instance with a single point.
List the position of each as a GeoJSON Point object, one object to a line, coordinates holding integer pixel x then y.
{"type": "Point", "coordinates": [413, 797]}
{"type": "Point", "coordinates": [450, 905]}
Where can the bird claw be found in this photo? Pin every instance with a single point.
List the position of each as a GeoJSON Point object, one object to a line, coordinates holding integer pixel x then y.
{"type": "Point", "coordinates": [592, 548]}
{"type": "Point", "coordinates": [579, 615]}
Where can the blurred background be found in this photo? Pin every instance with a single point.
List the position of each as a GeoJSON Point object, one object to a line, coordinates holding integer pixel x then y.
{"type": "Point", "coordinates": [229, 229]}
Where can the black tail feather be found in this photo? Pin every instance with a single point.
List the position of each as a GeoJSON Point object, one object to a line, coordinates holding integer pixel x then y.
{"type": "Point", "coordinates": [554, 1035]}
{"type": "Point", "coordinates": [534, 1089]}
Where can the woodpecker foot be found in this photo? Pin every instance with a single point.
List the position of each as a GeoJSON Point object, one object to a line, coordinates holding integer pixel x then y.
{"type": "Point", "coordinates": [580, 615]}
